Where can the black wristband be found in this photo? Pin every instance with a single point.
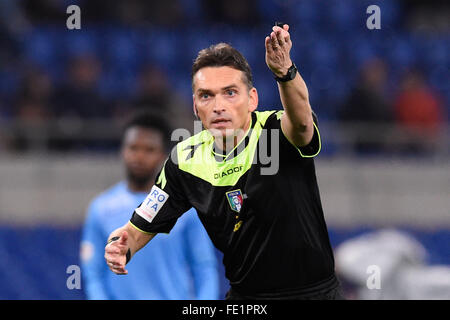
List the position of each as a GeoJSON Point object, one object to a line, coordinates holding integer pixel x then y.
{"type": "Point", "coordinates": [128, 255]}
{"type": "Point", "coordinates": [113, 239]}
{"type": "Point", "coordinates": [290, 75]}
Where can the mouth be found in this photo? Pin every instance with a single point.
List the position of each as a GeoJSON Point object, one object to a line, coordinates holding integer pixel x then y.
{"type": "Point", "coordinates": [138, 169]}
{"type": "Point", "coordinates": [220, 122]}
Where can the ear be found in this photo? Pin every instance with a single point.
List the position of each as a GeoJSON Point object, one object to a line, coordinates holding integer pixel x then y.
{"type": "Point", "coordinates": [122, 152]}
{"type": "Point", "coordinates": [194, 108]}
{"type": "Point", "coordinates": [253, 99]}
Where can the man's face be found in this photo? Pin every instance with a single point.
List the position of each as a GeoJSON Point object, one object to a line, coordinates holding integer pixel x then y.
{"type": "Point", "coordinates": [143, 153]}
{"type": "Point", "coordinates": [223, 101]}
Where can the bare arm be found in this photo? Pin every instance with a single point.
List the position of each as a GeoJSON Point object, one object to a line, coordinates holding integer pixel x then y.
{"type": "Point", "coordinates": [297, 121]}
{"type": "Point", "coordinates": [129, 239]}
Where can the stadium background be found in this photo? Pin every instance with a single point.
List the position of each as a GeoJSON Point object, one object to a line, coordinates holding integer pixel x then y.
{"type": "Point", "coordinates": [64, 94]}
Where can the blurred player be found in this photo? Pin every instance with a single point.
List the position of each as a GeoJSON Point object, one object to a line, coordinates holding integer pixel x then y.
{"type": "Point", "coordinates": [401, 260]}
{"type": "Point", "coordinates": [275, 241]}
{"type": "Point", "coordinates": [179, 266]}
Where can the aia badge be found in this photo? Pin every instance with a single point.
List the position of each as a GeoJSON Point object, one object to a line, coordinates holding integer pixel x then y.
{"type": "Point", "coordinates": [235, 199]}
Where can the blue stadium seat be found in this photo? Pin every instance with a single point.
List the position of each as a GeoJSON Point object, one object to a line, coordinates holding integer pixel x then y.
{"type": "Point", "coordinates": [340, 16]}
{"type": "Point", "coordinates": [34, 262]}
{"type": "Point", "coordinates": [401, 52]}
{"type": "Point", "coordinates": [358, 51]}
{"type": "Point", "coordinates": [323, 52]}
{"type": "Point", "coordinates": [120, 48]}
{"type": "Point", "coordinates": [9, 83]}
{"type": "Point", "coordinates": [81, 42]}
{"type": "Point", "coordinates": [163, 47]}
{"type": "Point", "coordinates": [41, 47]}
{"type": "Point", "coordinates": [435, 51]}
{"type": "Point", "coordinates": [439, 79]}
{"type": "Point", "coordinates": [269, 98]}
{"type": "Point", "coordinates": [306, 13]}
{"type": "Point", "coordinates": [271, 10]}
{"type": "Point", "coordinates": [182, 84]}
{"type": "Point", "coordinates": [251, 46]}
{"type": "Point", "coordinates": [117, 84]}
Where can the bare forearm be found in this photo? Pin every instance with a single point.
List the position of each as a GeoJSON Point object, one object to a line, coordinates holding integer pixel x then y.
{"type": "Point", "coordinates": [296, 122]}
{"type": "Point", "coordinates": [295, 99]}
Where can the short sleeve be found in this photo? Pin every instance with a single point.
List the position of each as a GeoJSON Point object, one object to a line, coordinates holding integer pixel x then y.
{"type": "Point", "coordinates": [310, 150]}
{"type": "Point", "coordinates": [313, 148]}
{"type": "Point", "coordinates": [164, 204]}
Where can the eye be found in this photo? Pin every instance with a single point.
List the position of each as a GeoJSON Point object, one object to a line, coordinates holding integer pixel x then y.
{"type": "Point", "coordinates": [204, 96]}
{"type": "Point", "coordinates": [132, 147]}
{"type": "Point", "coordinates": [150, 149]}
{"type": "Point", "coordinates": [230, 92]}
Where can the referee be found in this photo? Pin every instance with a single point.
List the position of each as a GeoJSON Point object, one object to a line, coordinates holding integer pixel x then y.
{"type": "Point", "coordinates": [270, 227]}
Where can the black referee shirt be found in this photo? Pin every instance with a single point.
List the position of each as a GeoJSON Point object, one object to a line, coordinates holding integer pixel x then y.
{"type": "Point", "coordinates": [260, 205]}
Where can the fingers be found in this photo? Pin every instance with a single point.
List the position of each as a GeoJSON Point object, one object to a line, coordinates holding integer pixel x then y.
{"type": "Point", "coordinates": [114, 257]}
{"type": "Point", "coordinates": [115, 262]}
{"type": "Point", "coordinates": [281, 35]}
{"type": "Point", "coordinates": [117, 268]}
{"type": "Point", "coordinates": [111, 250]}
{"type": "Point", "coordinates": [268, 44]}
{"type": "Point", "coordinates": [274, 39]}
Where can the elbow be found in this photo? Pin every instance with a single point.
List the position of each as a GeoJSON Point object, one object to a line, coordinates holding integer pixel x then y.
{"type": "Point", "coordinates": [303, 124]}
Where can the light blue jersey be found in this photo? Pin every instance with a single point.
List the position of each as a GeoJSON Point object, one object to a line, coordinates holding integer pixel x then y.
{"type": "Point", "coordinates": [176, 266]}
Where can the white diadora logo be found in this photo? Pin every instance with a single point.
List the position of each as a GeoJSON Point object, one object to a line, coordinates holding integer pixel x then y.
{"type": "Point", "coordinates": [152, 204]}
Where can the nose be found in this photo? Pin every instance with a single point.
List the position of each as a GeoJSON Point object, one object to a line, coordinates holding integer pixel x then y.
{"type": "Point", "coordinates": [218, 106]}
{"type": "Point", "coordinates": [139, 156]}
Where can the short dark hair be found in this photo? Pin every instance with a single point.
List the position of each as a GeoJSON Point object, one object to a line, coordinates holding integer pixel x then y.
{"type": "Point", "coordinates": [151, 121]}
{"type": "Point", "coordinates": [222, 55]}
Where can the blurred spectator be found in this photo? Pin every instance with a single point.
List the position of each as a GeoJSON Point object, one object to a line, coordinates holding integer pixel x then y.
{"type": "Point", "coordinates": [419, 110]}
{"type": "Point", "coordinates": [401, 261]}
{"type": "Point", "coordinates": [37, 86]}
{"type": "Point", "coordinates": [76, 101]}
{"type": "Point", "coordinates": [165, 13]}
{"type": "Point", "coordinates": [234, 12]}
{"type": "Point", "coordinates": [134, 12]}
{"type": "Point", "coordinates": [13, 24]}
{"type": "Point", "coordinates": [427, 16]}
{"type": "Point", "coordinates": [32, 110]}
{"type": "Point", "coordinates": [367, 104]}
{"type": "Point", "coordinates": [79, 97]}
{"type": "Point", "coordinates": [30, 132]}
{"type": "Point", "coordinates": [154, 94]}
{"type": "Point", "coordinates": [5, 133]}
{"type": "Point", "coordinates": [45, 11]}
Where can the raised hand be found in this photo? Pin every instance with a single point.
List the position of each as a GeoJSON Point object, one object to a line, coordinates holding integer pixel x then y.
{"type": "Point", "coordinates": [278, 47]}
